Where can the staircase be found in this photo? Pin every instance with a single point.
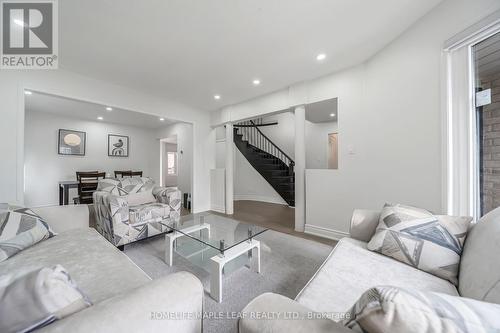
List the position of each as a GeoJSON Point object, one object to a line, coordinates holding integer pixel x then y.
{"type": "Point", "coordinates": [266, 157]}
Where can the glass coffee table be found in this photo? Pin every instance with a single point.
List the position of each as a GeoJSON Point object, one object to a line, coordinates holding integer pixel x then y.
{"type": "Point", "coordinates": [219, 241]}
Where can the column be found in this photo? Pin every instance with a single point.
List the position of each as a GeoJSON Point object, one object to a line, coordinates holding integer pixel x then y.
{"type": "Point", "coordinates": [229, 169]}
{"type": "Point", "coordinates": [300, 168]}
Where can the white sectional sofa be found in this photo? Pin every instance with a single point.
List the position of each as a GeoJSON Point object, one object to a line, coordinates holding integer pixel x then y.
{"type": "Point", "coordinates": [124, 298]}
{"type": "Point", "coordinates": [351, 269]}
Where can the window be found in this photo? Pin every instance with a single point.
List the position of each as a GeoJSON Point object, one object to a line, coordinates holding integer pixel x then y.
{"type": "Point", "coordinates": [171, 163]}
{"type": "Point", "coordinates": [487, 73]}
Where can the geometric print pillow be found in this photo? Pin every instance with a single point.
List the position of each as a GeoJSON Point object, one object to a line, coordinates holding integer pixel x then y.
{"type": "Point", "coordinates": [390, 309]}
{"type": "Point", "coordinates": [414, 236]}
{"type": "Point", "coordinates": [20, 228]}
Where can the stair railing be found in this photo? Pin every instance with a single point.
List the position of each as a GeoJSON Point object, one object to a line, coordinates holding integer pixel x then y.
{"type": "Point", "coordinates": [251, 133]}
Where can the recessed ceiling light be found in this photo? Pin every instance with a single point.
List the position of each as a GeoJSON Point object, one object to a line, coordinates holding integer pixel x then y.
{"type": "Point", "coordinates": [27, 92]}
{"type": "Point", "coordinates": [332, 114]}
{"type": "Point", "coordinates": [100, 118]}
{"type": "Point", "coordinates": [256, 82]}
{"type": "Point", "coordinates": [216, 96]}
{"type": "Point", "coordinates": [109, 109]}
{"type": "Point", "coordinates": [162, 119]}
{"type": "Point", "coordinates": [321, 57]}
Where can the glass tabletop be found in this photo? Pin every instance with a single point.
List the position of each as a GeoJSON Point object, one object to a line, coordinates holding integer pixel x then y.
{"type": "Point", "coordinates": [219, 232]}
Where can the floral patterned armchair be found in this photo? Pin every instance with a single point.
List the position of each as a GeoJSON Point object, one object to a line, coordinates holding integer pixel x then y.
{"type": "Point", "coordinates": [131, 209]}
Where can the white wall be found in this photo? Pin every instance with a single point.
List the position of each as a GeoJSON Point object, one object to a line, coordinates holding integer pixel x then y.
{"type": "Point", "coordinates": [184, 134]}
{"type": "Point", "coordinates": [283, 135]}
{"type": "Point", "coordinates": [249, 184]}
{"type": "Point", "coordinates": [390, 139]}
{"type": "Point", "coordinates": [72, 85]}
{"type": "Point", "coordinates": [44, 167]}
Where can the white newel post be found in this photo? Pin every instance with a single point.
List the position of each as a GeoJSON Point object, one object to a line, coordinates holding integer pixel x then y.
{"type": "Point", "coordinates": [300, 167]}
{"type": "Point", "coordinates": [229, 168]}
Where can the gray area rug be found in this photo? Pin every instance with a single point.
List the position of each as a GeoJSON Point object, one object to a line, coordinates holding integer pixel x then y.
{"type": "Point", "coordinates": [287, 264]}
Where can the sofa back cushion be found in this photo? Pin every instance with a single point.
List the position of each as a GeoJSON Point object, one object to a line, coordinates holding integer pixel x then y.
{"type": "Point", "coordinates": [479, 276]}
{"type": "Point", "coordinates": [110, 185]}
{"type": "Point", "coordinates": [124, 186]}
{"type": "Point", "coordinates": [136, 184]}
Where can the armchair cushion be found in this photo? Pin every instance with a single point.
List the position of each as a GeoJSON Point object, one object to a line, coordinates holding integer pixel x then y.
{"type": "Point", "coordinates": [140, 198]}
{"type": "Point", "coordinates": [148, 212]}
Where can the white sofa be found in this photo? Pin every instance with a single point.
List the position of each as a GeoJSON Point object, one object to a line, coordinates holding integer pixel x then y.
{"type": "Point", "coordinates": [124, 298]}
{"type": "Point", "coordinates": [351, 269]}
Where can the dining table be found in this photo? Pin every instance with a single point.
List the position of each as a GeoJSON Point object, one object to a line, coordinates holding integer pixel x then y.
{"type": "Point", "coordinates": [64, 186]}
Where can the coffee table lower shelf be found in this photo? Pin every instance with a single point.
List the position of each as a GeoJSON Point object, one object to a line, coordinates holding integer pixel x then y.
{"type": "Point", "coordinates": [216, 262]}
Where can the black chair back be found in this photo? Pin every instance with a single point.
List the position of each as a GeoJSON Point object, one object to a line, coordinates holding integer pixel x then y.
{"type": "Point", "coordinates": [87, 185]}
{"type": "Point", "coordinates": [132, 174]}
{"type": "Point", "coordinates": [119, 174]}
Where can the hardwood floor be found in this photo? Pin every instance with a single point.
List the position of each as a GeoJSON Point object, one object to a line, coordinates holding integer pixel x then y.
{"type": "Point", "coordinates": [273, 216]}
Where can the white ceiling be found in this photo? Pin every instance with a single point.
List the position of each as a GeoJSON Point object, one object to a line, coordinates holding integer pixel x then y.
{"type": "Point", "coordinates": [189, 50]}
{"type": "Point", "coordinates": [38, 102]}
{"type": "Point", "coordinates": [320, 112]}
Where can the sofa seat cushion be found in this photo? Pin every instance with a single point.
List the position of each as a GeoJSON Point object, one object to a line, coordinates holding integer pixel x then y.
{"type": "Point", "coordinates": [148, 212]}
{"type": "Point", "coordinates": [351, 269]}
{"type": "Point", "coordinates": [98, 268]}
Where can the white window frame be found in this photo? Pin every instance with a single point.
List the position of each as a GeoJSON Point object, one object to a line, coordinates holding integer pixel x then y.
{"type": "Point", "coordinates": [176, 163]}
{"type": "Point", "coordinates": [461, 154]}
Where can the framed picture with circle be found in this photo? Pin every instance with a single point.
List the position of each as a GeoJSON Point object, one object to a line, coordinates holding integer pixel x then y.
{"type": "Point", "coordinates": [118, 145]}
{"type": "Point", "coordinates": [71, 142]}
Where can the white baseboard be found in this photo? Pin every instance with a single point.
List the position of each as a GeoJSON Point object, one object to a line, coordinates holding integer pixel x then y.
{"type": "Point", "coordinates": [218, 209]}
{"type": "Point", "coordinates": [325, 232]}
{"type": "Point", "coordinates": [238, 197]}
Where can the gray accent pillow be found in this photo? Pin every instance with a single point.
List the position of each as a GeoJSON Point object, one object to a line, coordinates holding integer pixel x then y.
{"type": "Point", "coordinates": [390, 309]}
{"type": "Point", "coordinates": [20, 228]}
{"type": "Point", "coordinates": [38, 298]}
{"type": "Point", "coordinates": [432, 243]}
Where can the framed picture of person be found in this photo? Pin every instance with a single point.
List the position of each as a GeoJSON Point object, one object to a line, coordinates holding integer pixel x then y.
{"type": "Point", "coordinates": [118, 145]}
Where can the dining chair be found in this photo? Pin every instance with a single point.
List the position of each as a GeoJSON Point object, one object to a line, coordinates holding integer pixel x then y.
{"type": "Point", "coordinates": [132, 174]}
{"type": "Point", "coordinates": [87, 185]}
{"type": "Point", "coordinates": [119, 174]}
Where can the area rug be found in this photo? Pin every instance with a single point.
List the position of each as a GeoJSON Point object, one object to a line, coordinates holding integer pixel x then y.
{"type": "Point", "coordinates": [287, 264]}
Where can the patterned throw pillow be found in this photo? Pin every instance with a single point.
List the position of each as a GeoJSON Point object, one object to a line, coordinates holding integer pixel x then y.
{"type": "Point", "coordinates": [20, 228]}
{"type": "Point", "coordinates": [36, 299]}
{"type": "Point", "coordinates": [432, 243]}
{"type": "Point", "coordinates": [391, 309]}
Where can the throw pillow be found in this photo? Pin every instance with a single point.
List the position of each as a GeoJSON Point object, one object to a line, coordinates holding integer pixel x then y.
{"type": "Point", "coordinates": [432, 243]}
{"type": "Point", "coordinates": [140, 198]}
{"type": "Point", "coordinates": [38, 298]}
{"type": "Point", "coordinates": [391, 309]}
{"type": "Point", "coordinates": [20, 229]}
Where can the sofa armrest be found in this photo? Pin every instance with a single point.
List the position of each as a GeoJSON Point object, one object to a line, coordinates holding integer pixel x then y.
{"type": "Point", "coordinates": [112, 216]}
{"type": "Point", "coordinates": [170, 196]}
{"type": "Point", "coordinates": [275, 313]}
{"type": "Point", "coordinates": [170, 304]}
{"type": "Point", "coordinates": [364, 222]}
